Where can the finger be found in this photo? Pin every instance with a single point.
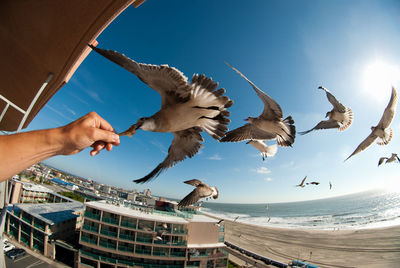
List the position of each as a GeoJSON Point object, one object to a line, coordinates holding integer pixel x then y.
{"type": "Point", "coordinates": [102, 123]}
{"type": "Point", "coordinates": [109, 146]}
{"type": "Point", "coordinates": [94, 152]}
{"type": "Point", "coordinates": [98, 145]}
{"type": "Point", "coordinates": [105, 136]}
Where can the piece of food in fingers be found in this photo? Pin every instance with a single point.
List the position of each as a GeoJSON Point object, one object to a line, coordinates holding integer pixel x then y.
{"type": "Point", "coordinates": [130, 132]}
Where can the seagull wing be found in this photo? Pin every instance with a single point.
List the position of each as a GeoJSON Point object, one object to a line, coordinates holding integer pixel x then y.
{"type": "Point", "coordinates": [381, 160]}
{"type": "Point", "coordinates": [398, 159]}
{"type": "Point", "coordinates": [272, 110]}
{"type": "Point", "coordinates": [302, 182]}
{"type": "Point", "coordinates": [168, 81]}
{"type": "Point", "coordinates": [389, 112]}
{"type": "Point", "coordinates": [326, 124]}
{"type": "Point", "coordinates": [336, 104]}
{"type": "Point", "coordinates": [247, 132]}
{"type": "Point", "coordinates": [186, 143]}
{"type": "Point", "coordinates": [195, 182]}
{"type": "Point", "coordinates": [195, 195]}
{"type": "Point", "coordinates": [364, 145]}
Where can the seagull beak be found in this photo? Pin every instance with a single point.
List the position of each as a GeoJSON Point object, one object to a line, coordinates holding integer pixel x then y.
{"type": "Point", "coordinates": [248, 142]}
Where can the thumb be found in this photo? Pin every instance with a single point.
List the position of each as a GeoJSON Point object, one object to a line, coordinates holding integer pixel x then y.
{"type": "Point", "coordinates": [105, 135]}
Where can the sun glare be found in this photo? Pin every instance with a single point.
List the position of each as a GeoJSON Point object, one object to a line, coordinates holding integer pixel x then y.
{"type": "Point", "coordinates": [379, 76]}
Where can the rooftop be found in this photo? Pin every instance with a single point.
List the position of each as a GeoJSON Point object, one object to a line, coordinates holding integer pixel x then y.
{"type": "Point", "coordinates": [153, 215]}
{"type": "Point", "coordinates": [52, 213]}
{"type": "Point", "coordinates": [35, 187]}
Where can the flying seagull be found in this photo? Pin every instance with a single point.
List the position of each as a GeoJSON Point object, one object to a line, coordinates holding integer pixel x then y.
{"type": "Point", "coordinates": [313, 182]}
{"type": "Point", "coordinates": [382, 132]}
{"type": "Point", "coordinates": [330, 185]}
{"type": "Point", "coordinates": [339, 117]}
{"type": "Point", "coordinates": [265, 150]}
{"type": "Point", "coordinates": [159, 234]}
{"type": "Point", "coordinates": [187, 109]}
{"type": "Point", "coordinates": [237, 217]}
{"type": "Point", "coordinates": [268, 126]}
{"type": "Point", "coordinates": [302, 182]}
{"type": "Point", "coordinates": [202, 191]}
{"type": "Point", "coordinates": [219, 223]}
{"type": "Point", "coordinates": [390, 159]}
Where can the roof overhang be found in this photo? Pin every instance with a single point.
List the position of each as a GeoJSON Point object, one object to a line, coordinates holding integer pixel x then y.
{"type": "Point", "coordinates": [42, 44]}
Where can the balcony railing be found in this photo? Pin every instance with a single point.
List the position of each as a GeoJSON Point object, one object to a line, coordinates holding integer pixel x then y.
{"type": "Point", "coordinates": [179, 231]}
{"type": "Point", "coordinates": [90, 228]}
{"type": "Point", "coordinates": [109, 220]}
{"type": "Point", "coordinates": [107, 245]}
{"type": "Point", "coordinates": [90, 255]}
{"type": "Point", "coordinates": [143, 251]}
{"type": "Point", "coordinates": [127, 237]}
{"type": "Point", "coordinates": [108, 233]}
{"type": "Point", "coordinates": [178, 254]}
{"type": "Point", "coordinates": [89, 240]}
{"type": "Point", "coordinates": [92, 215]}
{"type": "Point", "coordinates": [110, 260]}
{"type": "Point", "coordinates": [126, 249]}
{"type": "Point", "coordinates": [144, 240]}
{"type": "Point", "coordinates": [39, 226]}
{"type": "Point", "coordinates": [182, 243]}
{"type": "Point", "coordinates": [160, 253]}
{"type": "Point", "coordinates": [128, 224]}
{"type": "Point", "coordinates": [28, 220]}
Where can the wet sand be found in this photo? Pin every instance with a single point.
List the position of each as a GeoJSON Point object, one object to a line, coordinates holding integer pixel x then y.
{"type": "Point", "coordinates": [378, 247]}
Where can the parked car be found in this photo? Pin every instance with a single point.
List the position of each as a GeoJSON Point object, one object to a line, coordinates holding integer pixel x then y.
{"type": "Point", "coordinates": [7, 247]}
{"type": "Point", "coordinates": [15, 253]}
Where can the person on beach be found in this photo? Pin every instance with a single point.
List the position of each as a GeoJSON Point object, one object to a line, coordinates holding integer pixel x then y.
{"type": "Point", "coordinates": [20, 151]}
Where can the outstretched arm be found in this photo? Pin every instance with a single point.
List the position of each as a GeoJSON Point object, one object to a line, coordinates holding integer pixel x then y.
{"type": "Point", "coordinates": [19, 151]}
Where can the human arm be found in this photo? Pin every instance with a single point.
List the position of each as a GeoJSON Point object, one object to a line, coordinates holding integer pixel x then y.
{"type": "Point", "coordinates": [19, 151]}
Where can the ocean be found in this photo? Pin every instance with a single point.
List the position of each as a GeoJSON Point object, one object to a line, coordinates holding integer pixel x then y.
{"type": "Point", "coordinates": [370, 209]}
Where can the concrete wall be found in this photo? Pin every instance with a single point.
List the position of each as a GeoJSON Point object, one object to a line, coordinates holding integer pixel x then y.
{"type": "Point", "coordinates": [202, 233]}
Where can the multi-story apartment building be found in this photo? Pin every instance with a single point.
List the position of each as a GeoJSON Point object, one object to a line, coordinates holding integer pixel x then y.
{"type": "Point", "coordinates": [26, 192]}
{"type": "Point", "coordinates": [124, 236]}
{"type": "Point", "coordinates": [38, 225]}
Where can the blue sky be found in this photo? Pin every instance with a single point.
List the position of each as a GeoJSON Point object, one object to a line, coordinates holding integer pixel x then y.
{"type": "Point", "coordinates": [288, 49]}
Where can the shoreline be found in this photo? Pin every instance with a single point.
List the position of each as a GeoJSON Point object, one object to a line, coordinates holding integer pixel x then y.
{"type": "Point", "coordinates": [311, 228]}
{"type": "Point", "coordinates": [374, 247]}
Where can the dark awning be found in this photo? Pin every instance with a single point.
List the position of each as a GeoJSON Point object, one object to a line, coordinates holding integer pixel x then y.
{"type": "Point", "coordinates": [42, 43]}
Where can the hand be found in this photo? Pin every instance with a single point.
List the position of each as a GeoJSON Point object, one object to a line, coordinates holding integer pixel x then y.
{"type": "Point", "coordinates": [89, 130]}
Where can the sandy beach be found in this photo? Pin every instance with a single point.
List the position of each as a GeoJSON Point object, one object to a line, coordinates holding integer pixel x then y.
{"type": "Point", "coordinates": [378, 247]}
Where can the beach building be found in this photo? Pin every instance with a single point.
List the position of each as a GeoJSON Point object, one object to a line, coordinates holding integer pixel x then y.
{"type": "Point", "coordinates": [38, 226]}
{"type": "Point", "coordinates": [124, 235]}
{"type": "Point", "coordinates": [26, 192]}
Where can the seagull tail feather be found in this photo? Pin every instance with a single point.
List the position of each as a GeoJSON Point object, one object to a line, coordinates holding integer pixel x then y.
{"type": "Point", "coordinates": [152, 175]}
{"type": "Point", "coordinates": [288, 140]}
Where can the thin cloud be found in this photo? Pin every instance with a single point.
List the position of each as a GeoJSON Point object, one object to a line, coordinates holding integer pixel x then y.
{"type": "Point", "coordinates": [159, 146]}
{"type": "Point", "coordinates": [268, 179]}
{"type": "Point", "coordinates": [94, 95]}
{"type": "Point", "coordinates": [215, 157]}
{"type": "Point", "coordinates": [78, 98]}
{"type": "Point", "coordinates": [59, 113]}
{"type": "Point", "coordinates": [262, 170]}
{"type": "Point", "coordinates": [69, 110]}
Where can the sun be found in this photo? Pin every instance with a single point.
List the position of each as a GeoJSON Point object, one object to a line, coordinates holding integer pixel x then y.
{"type": "Point", "coordinates": [378, 77]}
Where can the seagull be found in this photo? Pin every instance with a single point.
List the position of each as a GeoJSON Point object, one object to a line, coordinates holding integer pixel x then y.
{"type": "Point", "coordinates": [159, 234]}
{"type": "Point", "coordinates": [265, 150]}
{"type": "Point", "coordinates": [187, 109]}
{"type": "Point", "coordinates": [339, 117]}
{"type": "Point", "coordinates": [391, 159]}
{"type": "Point", "coordinates": [382, 132]}
{"type": "Point", "coordinates": [202, 191]}
{"type": "Point", "coordinates": [268, 126]}
{"type": "Point", "coordinates": [330, 185]}
{"type": "Point", "coordinates": [302, 182]}
{"type": "Point", "coordinates": [219, 223]}
{"type": "Point", "coordinates": [313, 182]}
